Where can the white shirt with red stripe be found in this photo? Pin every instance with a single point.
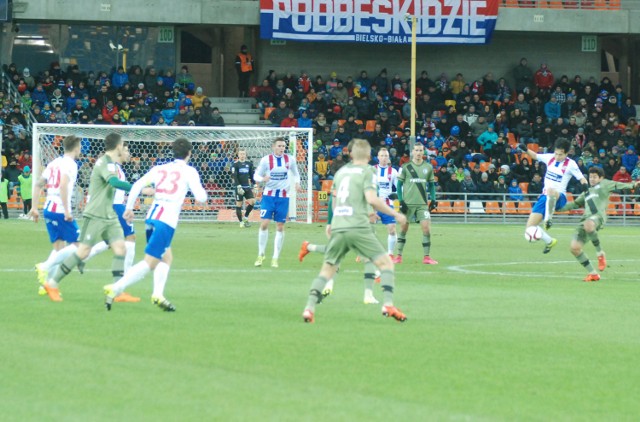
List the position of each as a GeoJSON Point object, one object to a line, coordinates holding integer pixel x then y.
{"type": "Point", "coordinates": [281, 171]}
{"type": "Point", "coordinates": [559, 174]}
{"type": "Point", "coordinates": [53, 174]}
{"type": "Point", "coordinates": [386, 179]}
{"type": "Point", "coordinates": [172, 182]}
{"type": "Point", "coordinates": [120, 196]}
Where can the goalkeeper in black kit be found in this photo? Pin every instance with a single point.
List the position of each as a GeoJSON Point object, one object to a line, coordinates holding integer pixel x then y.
{"type": "Point", "coordinates": [242, 171]}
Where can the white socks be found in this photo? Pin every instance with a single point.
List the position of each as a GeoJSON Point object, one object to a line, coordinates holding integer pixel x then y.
{"type": "Point", "coordinates": [98, 248]}
{"type": "Point", "coordinates": [129, 255]}
{"type": "Point", "coordinates": [545, 237]}
{"type": "Point", "coordinates": [135, 274]}
{"type": "Point", "coordinates": [263, 238]}
{"type": "Point", "coordinates": [277, 244]}
{"type": "Point", "coordinates": [160, 275]}
{"type": "Point", "coordinates": [56, 258]}
{"type": "Point", "coordinates": [391, 243]}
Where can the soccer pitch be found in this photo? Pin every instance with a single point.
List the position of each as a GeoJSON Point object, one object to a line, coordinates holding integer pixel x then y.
{"type": "Point", "coordinates": [496, 331]}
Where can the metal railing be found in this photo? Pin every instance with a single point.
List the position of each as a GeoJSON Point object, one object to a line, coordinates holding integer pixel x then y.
{"type": "Point", "coordinates": [563, 4]}
{"type": "Point", "coordinates": [16, 98]}
{"type": "Point", "coordinates": [499, 208]}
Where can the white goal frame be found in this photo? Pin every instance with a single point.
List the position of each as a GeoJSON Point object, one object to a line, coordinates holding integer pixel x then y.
{"type": "Point", "coordinates": [301, 203]}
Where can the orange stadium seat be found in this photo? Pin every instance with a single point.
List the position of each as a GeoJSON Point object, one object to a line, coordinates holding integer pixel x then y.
{"type": "Point", "coordinates": [492, 207]}
{"type": "Point", "coordinates": [370, 126]}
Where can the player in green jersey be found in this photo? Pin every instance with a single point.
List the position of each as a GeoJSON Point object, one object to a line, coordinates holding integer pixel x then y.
{"type": "Point", "coordinates": [353, 189]}
{"type": "Point", "coordinates": [595, 202]}
{"type": "Point", "coordinates": [414, 179]}
{"type": "Point", "coordinates": [100, 220]}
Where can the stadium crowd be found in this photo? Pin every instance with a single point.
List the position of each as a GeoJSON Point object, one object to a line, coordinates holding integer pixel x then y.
{"type": "Point", "coordinates": [468, 128]}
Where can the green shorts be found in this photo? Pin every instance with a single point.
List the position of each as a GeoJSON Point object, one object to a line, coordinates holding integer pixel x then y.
{"type": "Point", "coordinates": [581, 234]}
{"type": "Point", "coordinates": [96, 230]}
{"type": "Point", "coordinates": [362, 241]}
{"type": "Point", "coordinates": [420, 212]}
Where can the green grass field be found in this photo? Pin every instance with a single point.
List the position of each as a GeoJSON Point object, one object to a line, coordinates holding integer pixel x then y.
{"type": "Point", "coordinates": [497, 331]}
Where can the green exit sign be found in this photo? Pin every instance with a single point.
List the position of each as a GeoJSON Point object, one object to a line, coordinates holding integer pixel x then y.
{"type": "Point", "coordinates": [589, 43]}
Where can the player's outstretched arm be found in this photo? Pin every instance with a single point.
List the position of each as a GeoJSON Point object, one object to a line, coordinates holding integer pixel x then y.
{"type": "Point", "coordinates": [195, 186]}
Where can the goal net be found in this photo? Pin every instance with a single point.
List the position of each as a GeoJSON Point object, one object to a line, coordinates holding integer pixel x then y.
{"type": "Point", "coordinates": [214, 152]}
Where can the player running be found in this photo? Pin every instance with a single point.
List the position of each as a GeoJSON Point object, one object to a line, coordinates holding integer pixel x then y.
{"type": "Point", "coordinates": [415, 176]}
{"type": "Point", "coordinates": [100, 221]}
{"type": "Point", "coordinates": [119, 201]}
{"type": "Point", "coordinates": [560, 169]}
{"type": "Point", "coordinates": [276, 170]}
{"type": "Point", "coordinates": [172, 181]}
{"type": "Point", "coordinates": [353, 189]}
{"type": "Point", "coordinates": [59, 178]}
{"type": "Point", "coordinates": [387, 180]}
{"type": "Point", "coordinates": [595, 202]}
{"type": "Point", "coordinates": [242, 171]}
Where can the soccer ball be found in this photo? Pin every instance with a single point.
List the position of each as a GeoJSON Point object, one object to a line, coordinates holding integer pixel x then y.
{"type": "Point", "coordinates": [532, 234]}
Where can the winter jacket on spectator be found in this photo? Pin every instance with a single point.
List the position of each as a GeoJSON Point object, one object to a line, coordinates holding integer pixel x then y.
{"type": "Point", "coordinates": [552, 109]}
{"type": "Point", "coordinates": [630, 159]}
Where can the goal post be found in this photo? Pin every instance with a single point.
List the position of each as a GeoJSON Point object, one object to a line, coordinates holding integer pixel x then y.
{"type": "Point", "coordinates": [214, 152]}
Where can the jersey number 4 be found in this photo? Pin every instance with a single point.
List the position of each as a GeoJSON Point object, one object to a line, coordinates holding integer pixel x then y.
{"type": "Point", "coordinates": [343, 190]}
{"type": "Point", "coordinates": [171, 186]}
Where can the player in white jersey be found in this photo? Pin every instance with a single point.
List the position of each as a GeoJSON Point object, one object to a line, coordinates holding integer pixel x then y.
{"type": "Point", "coordinates": [387, 179]}
{"type": "Point", "coordinates": [560, 170]}
{"type": "Point", "coordinates": [172, 181]}
{"type": "Point", "coordinates": [119, 202]}
{"type": "Point", "coordinates": [59, 178]}
{"type": "Point", "coordinates": [277, 171]}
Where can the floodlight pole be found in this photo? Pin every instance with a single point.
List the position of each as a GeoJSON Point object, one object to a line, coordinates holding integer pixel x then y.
{"type": "Point", "coordinates": [412, 118]}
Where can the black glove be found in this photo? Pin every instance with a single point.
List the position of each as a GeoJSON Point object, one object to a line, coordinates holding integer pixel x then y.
{"type": "Point", "coordinates": [522, 148]}
{"type": "Point", "coordinates": [403, 207]}
{"type": "Point", "coordinates": [393, 196]}
{"type": "Point", "coordinates": [433, 205]}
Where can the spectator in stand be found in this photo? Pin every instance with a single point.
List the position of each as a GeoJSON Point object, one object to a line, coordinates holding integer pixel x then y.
{"type": "Point", "coordinates": [623, 176]}
{"type": "Point", "coordinates": [490, 87]}
{"type": "Point", "coordinates": [635, 175]}
{"type": "Point", "coordinates": [290, 120]}
{"type": "Point", "coordinates": [522, 104]}
{"type": "Point", "coordinates": [216, 118]}
{"type": "Point", "coordinates": [340, 95]}
{"type": "Point", "coordinates": [264, 95]}
{"type": "Point", "coordinates": [337, 163]}
{"type": "Point", "coordinates": [630, 159]}
{"type": "Point", "coordinates": [611, 167]}
{"type": "Point", "coordinates": [515, 192]}
{"type": "Point", "coordinates": [182, 118]}
{"type": "Point", "coordinates": [627, 110]}
{"type": "Point", "coordinates": [280, 113]}
{"type": "Point", "coordinates": [543, 80]}
{"type": "Point", "coordinates": [142, 112]}
{"type": "Point", "coordinates": [119, 78]}
{"type": "Point", "coordinates": [552, 110]}
{"type": "Point", "coordinates": [487, 140]}
{"type": "Point", "coordinates": [198, 97]}
{"type": "Point", "coordinates": [304, 121]}
{"type": "Point", "coordinates": [501, 189]}
{"type": "Point", "coordinates": [523, 76]}
{"type": "Point", "coordinates": [457, 84]}
{"type": "Point", "coordinates": [320, 171]}
{"type": "Point", "coordinates": [504, 91]}
{"type": "Point", "coordinates": [169, 111]}
{"type": "Point", "coordinates": [468, 186]}
{"type": "Point", "coordinates": [485, 188]}
{"type": "Point", "coordinates": [185, 79]}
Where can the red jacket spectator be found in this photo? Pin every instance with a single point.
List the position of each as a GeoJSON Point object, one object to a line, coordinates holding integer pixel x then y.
{"type": "Point", "coordinates": [108, 111]}
{"type": "Point", "coordinates": [543, 78]}
{"type": "Point", "coordinates": [622, 176]}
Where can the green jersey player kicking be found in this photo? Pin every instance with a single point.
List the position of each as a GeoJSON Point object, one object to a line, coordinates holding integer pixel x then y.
{"type": "Point", "coordinates": [354, 188]}
{"type": "Point", "coordinates": [595, 202]}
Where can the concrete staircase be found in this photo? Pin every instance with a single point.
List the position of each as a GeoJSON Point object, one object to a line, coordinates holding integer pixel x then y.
{"type": "Point", "coordinates": [239, 111]}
